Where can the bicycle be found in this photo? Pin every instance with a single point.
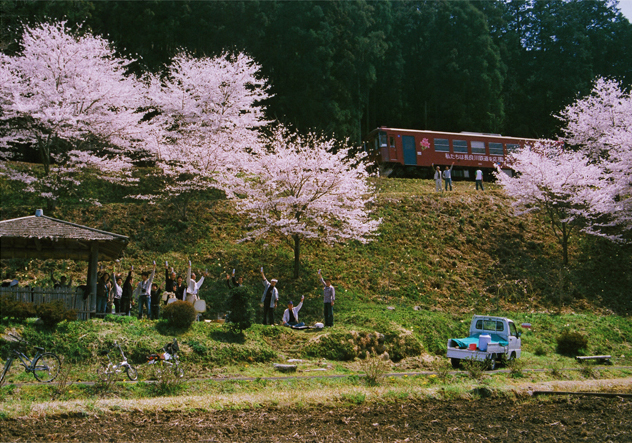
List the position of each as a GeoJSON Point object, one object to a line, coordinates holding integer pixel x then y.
{"type": "Point", "coordinates": [44, 366]}
{"type": "Point", "coordinates": [106, 371]}
{"type": "Point", "coordinates": [168, 360]}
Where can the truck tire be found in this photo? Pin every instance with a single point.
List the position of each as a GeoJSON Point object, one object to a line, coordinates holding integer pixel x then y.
{"type": "Point", "coordinates": [456, 363]}
{"type": "Point", "coordinates": [491, 362]}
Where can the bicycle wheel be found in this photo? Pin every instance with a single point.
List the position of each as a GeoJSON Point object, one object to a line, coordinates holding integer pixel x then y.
{"type": "Point", "coordinates": [7, 365]}
{"type": "Point", "coordinates": [131, 372]}
{"type": "Point", "coordinates": [46, 367]}
{"type": "Point", "coordinates": [104, 372]}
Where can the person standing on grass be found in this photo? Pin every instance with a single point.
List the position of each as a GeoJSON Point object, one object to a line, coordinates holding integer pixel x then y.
{"type": "Point", "coordinates": [170, 277]}
{"type": "Point", "coordinates": [143, 292]}
{"type": "Point", "coordinates": [103, 291]}
{"type": "Point", "coordinates": [192, 286]}
{"type": "Point", "coordinates": [329, 297]}
{"type": "Point", "coordinates": [479, 179]}
{"type": "Point", "coordinates": [437, 178]}
{"type": "Point", "coordinates": [290, 316]}
{"type": "Point", "coordinates": [128, 290]}
{"type": "Point", "coordinates": [117, 292]}
{"type": "Point", "coordinates": [269, 299]}
{"type": "Point", "coordinates": [447, 176]}
{"type": "Point", "coordinates": [156, 294]}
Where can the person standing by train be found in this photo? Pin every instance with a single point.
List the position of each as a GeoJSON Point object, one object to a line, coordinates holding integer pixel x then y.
{"type": "Point", "coordinates": [479, 179]}
{"type": "Point", "coordinates": [437, 178]}
{"type": "Point", "coordinates": [447, 176]}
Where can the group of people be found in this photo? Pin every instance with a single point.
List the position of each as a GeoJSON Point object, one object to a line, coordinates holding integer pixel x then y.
{"type": "Point", "coordinates": [118, 296]}
{"type": "Point", "coordinates": [270, 299]}
{"type": "Point", "coordinates": [446, 175]}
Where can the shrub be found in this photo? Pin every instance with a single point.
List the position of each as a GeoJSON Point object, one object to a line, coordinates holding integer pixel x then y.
{"type": "Point", "coordinates": [55, 312]}
{"type": "Point", "coordinates": [180, 314]}
{"type": "Point", "coordinates": [375, 369]}
{"type": "Point", "coordinates": [240, 307]}
{"type": "Point", "coordinates": [16, 309]}
{"type": "Point", "coordinates": [571, 343]}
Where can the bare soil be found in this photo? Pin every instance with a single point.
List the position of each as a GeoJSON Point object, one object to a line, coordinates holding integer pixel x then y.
{"type": "Point", "coordinates": [568, 419]}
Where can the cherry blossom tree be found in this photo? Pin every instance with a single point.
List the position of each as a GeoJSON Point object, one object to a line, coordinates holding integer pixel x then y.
{"type": "Point", "coordinates": [67, 95]}
{"type": "Point", "coordinates": [207, 112]}
{"type": "Point", "coordinates": [564, 186]}
{"type": "Point", "coordinates": [600, 126]}
{"type": "Point", "coordinates": [300, 188]}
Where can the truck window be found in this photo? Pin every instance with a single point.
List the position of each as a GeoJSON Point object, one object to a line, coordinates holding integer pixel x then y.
{"type": "Point", "coordinates": [512, 330]}
{"type": "Point", "coordinates": [500, 326]}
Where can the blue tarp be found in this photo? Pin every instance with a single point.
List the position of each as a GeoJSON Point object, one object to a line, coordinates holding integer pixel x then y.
{"type": "Point", "coordinates": [463, 343]}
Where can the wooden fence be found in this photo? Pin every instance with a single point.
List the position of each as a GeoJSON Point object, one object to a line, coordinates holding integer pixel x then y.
{"type": "Point", "coordinates": [73, 298]}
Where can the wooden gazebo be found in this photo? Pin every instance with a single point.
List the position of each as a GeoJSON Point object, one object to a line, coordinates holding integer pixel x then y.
{"type": "Point", "coordinates": [42, 237]}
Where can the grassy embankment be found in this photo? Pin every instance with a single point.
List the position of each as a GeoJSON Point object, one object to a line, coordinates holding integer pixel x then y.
{"type": "Point", "coordinates": [438, 259]}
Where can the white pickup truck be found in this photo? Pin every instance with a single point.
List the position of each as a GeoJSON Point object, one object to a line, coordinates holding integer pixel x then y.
{"type": "Point", "coordinates": [491, 339]}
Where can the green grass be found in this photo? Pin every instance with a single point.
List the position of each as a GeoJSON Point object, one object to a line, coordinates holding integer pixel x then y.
{"type": "Point", "coordinates": [439, 259]}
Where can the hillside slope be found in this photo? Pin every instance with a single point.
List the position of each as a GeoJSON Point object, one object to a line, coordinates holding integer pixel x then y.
{"type": "Point", "coordinates": [455, 252]}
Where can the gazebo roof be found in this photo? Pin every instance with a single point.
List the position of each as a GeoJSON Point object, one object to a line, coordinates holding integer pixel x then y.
{"type": "Point", "coordinates": [38, 236]}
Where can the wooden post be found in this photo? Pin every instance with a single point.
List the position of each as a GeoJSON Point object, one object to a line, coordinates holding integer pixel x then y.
{"type": "Point", "coordinates": [93, 263]}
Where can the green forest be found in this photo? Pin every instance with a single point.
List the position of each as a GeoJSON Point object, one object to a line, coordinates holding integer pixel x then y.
{"type": "Point", "coordinates": [346, 67]}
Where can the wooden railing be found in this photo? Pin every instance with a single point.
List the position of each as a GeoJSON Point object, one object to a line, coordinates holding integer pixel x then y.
{"type": "Point", "coordinates": [73, 298]}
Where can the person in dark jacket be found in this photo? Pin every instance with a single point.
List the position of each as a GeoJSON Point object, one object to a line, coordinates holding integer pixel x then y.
{"type": "Point", "coordinates": [126, 298]}
{"type": "Point", "coordinates": [156, 293]}
{"type": "Point", "coordinates": [237, 282]}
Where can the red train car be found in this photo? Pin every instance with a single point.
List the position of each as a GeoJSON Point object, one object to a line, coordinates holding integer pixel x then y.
{"type": "Point", "coordinates": [411, 153]}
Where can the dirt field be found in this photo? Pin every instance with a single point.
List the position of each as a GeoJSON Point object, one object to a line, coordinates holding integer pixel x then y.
{"type": "Point", "coordinates": [577, 419]}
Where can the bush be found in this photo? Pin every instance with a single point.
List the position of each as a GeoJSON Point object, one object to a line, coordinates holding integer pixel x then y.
{"type": "Point", "coordinates": [571, 343]}
{"type": "Point", "coordinates": [55, 312]}
{"type": "Point", "coordinates": [16, 309]}
{"type": "Point", "coordinates": [180, 314]}
{"type": "Point", "coordinates": [240, 307]}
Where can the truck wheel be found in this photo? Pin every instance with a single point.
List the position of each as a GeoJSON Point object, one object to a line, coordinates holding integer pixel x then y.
{"type": "Point", "coordinates": [456, 363]}
{"type": "Point", "coordinates": [491, 363]}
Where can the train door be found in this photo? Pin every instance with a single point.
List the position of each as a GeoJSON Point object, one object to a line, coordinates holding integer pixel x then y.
{"type": "Point", "coordinates": [392, 149]}
{"type": "Point", "coordinates": [409, 148]}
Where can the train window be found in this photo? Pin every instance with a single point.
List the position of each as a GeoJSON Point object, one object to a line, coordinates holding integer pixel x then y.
{"type": "Point", "coordinates": [495, 149]}
{"type": "Point", "coordinates": [478, 147]}
{"type": "Point", "coordinates": [392, 142]}
{"type": "Point", "coordinates": [442, 145]}
{"type": "Point", "coordinates": [459, 146]}
{"type": "Point", "coordinates": [512, 148]}
{"type": "Point", "coordinates": [383, 140]}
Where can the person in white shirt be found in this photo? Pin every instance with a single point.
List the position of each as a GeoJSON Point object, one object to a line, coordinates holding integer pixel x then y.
{"type": "Point", "coordinates": [192, 286]}
{"type": "Point", "coordinates": [290, 316]}
{"type": "Point", "coordinates": [437, 178]}
{"type": "Point", "coordinates": [143, 292]}
{"type": "Point", "coordinates": [269, 299]}
{"type": "Point", "coordinates": [479, 179]}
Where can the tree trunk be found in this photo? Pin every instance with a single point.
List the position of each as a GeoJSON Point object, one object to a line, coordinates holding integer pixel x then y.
{"type": "Point", "coordinates": [565, 237]}
{"type": "Point", "coordinates": [297, 255]}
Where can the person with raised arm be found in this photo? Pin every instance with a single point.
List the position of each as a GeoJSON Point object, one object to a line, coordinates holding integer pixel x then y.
{"type": "Point", "coordinates": [117, 290]}
{"type": "Point", "coordinates": [237, 282]}
{"type": "Point", "coordinates": [290, 316]}
{"type": "Point", "coordinates": [192, 286]}
{"type": "Point", "coordinates": [170, 277]}
{"type": "Point", "coordinates": [127, 294]}
{"type": "Point", "coordinates": [143, 292]}
{"type": "Point", "coordinates": [329, 297]}
{"type": "Point", "coordinates": [269, 299]}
